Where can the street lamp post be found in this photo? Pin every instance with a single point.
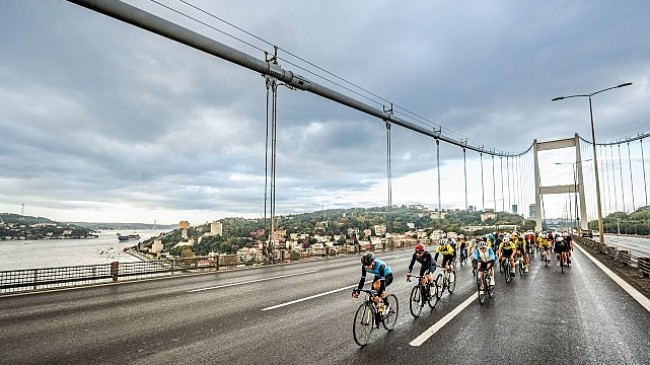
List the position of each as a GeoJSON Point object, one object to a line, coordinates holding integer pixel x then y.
{"type": "Point", "coordinates": [601, 231]}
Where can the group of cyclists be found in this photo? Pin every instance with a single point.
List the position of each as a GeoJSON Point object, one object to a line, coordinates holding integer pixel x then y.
{"type": "Point", "coordinates": [484, 251]}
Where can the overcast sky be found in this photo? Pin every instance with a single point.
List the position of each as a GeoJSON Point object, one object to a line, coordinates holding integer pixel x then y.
{"type": "Point", "coordinates": [103, 121]}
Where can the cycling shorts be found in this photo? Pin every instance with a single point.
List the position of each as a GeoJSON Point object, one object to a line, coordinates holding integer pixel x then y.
{"type": "Point", "coordinates": [507, 253]}
{"type": "Point", "coordinates": [561, 248]}
{"type": "Point", "coordinates": [447, 259]}
{"type": "Point", "coordinates": [482, 266]}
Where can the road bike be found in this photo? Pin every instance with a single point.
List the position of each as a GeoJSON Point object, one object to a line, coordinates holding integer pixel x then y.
{"type": "Point", "coordinates": [421, 294]}
{"type": "Point", "coordinates": [370, 314]}
{"type": "Point", "coordinates": [507, 270]}
{"type": "Point", "coordinates": [562, 261]}
{"type": "Point", "coordinates": [484, 286]}
{"type": "Point", "coordinates": [546, 255]}
{"type": "Point", "coordinates": [443, 282]}
{"type": "Point", "coordinates": [463, 256]}
{"type": "Point", "coordinates": [521, 266]}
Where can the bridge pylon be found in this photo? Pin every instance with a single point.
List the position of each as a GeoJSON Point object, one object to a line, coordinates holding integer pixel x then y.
{"type": "Point", "coordinates": [578, 185]}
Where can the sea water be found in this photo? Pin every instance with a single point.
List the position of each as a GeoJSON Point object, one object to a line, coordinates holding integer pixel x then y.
{"type": "Point", "coordinates": [35, 254]}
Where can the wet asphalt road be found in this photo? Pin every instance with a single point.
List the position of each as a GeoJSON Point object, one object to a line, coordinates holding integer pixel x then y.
{"type": "Point", "coordinates": [579, 317]}
{"type": "Point", "coordinates": [638, 246]}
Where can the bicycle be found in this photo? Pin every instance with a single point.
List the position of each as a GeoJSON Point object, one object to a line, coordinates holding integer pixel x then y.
{"type": "Point", "coordinates": [369, 315]}
{"type": "Point", "coordinates": [507, 270]}
{"type": "Point", "coordinates": [463, 256]}
{"type": "Point", "coordinates": [562, 261]}
{"type": "Point", "coordinates": [546, 256]}
{"type": "Point", "coordinates": [482, 284]}
{"type": "Point", "coordinates": [443, 282]}
{"type": "Point", "coordinates": [420, 295]}
{"type": "Point", "coordinates": [521, 266]}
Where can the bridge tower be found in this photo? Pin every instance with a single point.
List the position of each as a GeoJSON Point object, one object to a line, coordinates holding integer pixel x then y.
{"type": "Point", "coordinates": [559, 189]}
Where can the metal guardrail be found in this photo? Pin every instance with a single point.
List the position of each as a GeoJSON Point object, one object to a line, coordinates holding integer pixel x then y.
{"type": "Point", "coordinates": [624, 257]}
{"type": "Point", "coordinates": [70, 276]}
{"type": "Point", "coordinates": [19, 281]}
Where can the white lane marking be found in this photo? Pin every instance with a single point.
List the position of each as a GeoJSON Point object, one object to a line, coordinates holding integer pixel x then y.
{"type": "Point", "coordinates": [310, 297]}
{"type": "Point", "coordinates": [250, 282]}
{"type": "Point", "coordinates": [442, 322]}
{"type": "Point", "coordinates": [642, 299]}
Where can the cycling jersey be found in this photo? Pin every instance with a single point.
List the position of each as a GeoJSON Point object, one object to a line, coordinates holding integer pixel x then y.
{"type": "Point", "coordinates": [544, 242]}
{"type": "Point", "coordinates": [445, 250]}
{"type": "Point", "coordinates": [382, 273]}
{"type": "Point", "coordinates": [484, 256]}
{"type": "Point", "coordinates": [426, 262]}
{"type": "Point", "coordinates": [507, 246]}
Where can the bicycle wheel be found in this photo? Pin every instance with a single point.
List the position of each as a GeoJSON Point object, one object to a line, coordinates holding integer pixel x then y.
{"type": "Point", "coordinates": [521, 268]}
{"type": "Point", "coordinates": [439, 284]}
{"type": "Point", "coordinates": [390, 318]}
{"type": "Point", "coordinates": [417, 301]}
{"type": "Point", "coordinates": [452, 284]}
{"type": "Point", "coordinates": [507, 274]}
{"type": "Point", "coordinates": [490, 289]}
{"type": "Point", "coordinates": [481, 290]}
{"type": "Point", "coordinates": [562, 263]}
{"type": "Point", "coordinates": [433, 295]}
{"type": "Point", "coordinates": [364, 322]}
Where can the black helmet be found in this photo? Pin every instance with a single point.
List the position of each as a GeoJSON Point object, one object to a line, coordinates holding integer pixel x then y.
{"type": "Point", "coordinates": [367, 259]}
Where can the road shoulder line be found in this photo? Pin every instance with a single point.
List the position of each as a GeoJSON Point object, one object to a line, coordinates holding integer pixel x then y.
{"type": "Point", "coordinates": [642, 299]}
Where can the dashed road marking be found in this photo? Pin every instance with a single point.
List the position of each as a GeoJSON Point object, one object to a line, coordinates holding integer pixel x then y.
{"type": "Point", "coordinates": [251, 281]}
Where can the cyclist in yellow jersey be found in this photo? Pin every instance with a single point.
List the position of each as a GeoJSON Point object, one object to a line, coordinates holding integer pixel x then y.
{"type": "Point", "coordinates": [447, 252]}
{"type": "Point", "coordinates": [544, 246]}
{"type": "Point", "coordinates": [507, 250]}
{"type": "Point", "coordinates": [522, 248]}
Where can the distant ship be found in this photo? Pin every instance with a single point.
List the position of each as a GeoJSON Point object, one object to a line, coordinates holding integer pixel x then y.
{"type": "Point", "coordinates": [134, 236]}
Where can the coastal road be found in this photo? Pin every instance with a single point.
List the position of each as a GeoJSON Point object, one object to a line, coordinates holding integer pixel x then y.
{"type": "Point", "coordinates": [638, 246]}
{"type": "Point", "coordinates": [302, 314]}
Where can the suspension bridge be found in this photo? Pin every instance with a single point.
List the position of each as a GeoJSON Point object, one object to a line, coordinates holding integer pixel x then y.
{"type": "Point", "coordinates": [509, 181]}
{"type": "Point", "coordinates": [266, 316]}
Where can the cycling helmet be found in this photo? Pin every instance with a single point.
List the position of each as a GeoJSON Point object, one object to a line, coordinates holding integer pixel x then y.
{"type": "Point", "coordinates": [478, 240]}
{"type": "Point", "coordinates": [482, 244]}
{"type": "Point", "coordinates": [442, 241]}
{"type": "Point", "coordinates": [559, 239]}
{"type": "Point", "coordinates": [419, 248]}
{"type": "Point", "coordinates": [367, 259]}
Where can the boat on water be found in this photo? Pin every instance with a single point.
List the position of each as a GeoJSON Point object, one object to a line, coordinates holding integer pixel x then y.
{"type": "Point", "coordinates": [122, 237]}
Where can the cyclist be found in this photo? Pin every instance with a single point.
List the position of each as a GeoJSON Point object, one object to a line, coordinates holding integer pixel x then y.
{"type": "Point", "coordinates": [506, 251]}
{"type": "Point", "coordinates": [472, 247]}
{"type": "Point", "coordinates": [383, 278]}
{"type": "Point", "coordinates": [485, 258]}
{"type": "Point", "coordinates": [521, 249]}
{"type": "Point", "coordinates": [530, 243]}
{"type": "Point", "coordinates": [427, 265]}
{"type": "Point", "coordinates": [560, 249]}
{"type": "Point", "coordinates": [569, 242]}
{"type": "Point", "coordinates": [544, 247]}
{"type": "Point", "coordinates": [463, 249]}
{"type": "Point", "coordinates": [447, 251]}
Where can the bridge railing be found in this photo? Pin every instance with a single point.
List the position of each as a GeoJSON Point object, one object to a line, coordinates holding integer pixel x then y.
{"type": "Point", "coordinates": [70, 276]}
{"type": "Point", "coordinates": [624, 257]}
{"type": "Point", "coordinates": [27, 280]}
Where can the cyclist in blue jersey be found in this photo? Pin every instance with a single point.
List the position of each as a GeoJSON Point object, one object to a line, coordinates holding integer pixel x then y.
{"type": "Point", "coordinates": [383, 277]}
{"type": "Point", "coordinates": [485, 259]}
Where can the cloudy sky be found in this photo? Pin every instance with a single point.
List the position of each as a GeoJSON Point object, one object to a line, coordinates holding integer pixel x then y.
{"type": "Point", "coordinates": [103, 121]}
